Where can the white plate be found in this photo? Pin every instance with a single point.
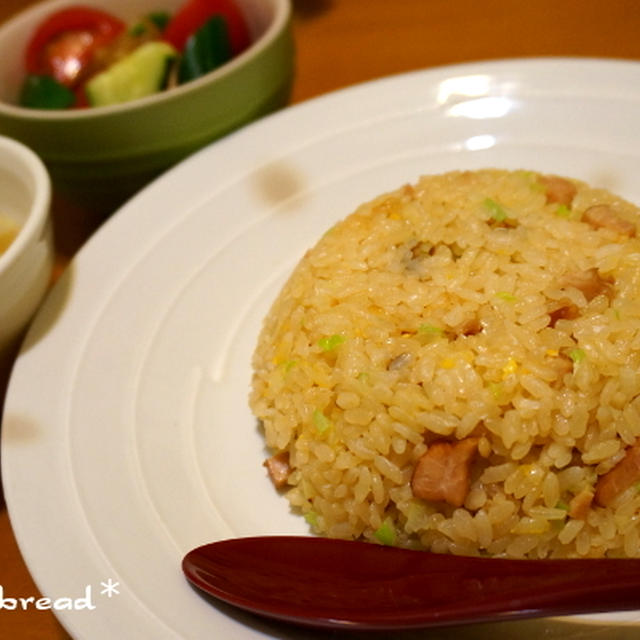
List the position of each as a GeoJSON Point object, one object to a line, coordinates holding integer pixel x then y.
{"type": "Point", "coordinates": [126, 438]}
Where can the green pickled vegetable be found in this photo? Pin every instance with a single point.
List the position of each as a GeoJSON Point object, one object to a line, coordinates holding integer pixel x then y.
{"type": "Point", "coordinates": [205, 50]}
{"type": "Point", "coordinates": [160, 19]}
{"type": "Point", "coordinates": [44, 92]}
{"type": "Point", "coordinates": [153, 23]}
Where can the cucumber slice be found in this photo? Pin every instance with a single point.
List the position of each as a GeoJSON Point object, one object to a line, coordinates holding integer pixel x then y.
{"type": "Point", "coordinates": [141, 73]}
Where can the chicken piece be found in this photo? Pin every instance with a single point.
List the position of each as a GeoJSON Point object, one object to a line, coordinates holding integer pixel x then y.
{"type": "Point", "coordinates": [590, 282]}
{"type": "Point", "coordinates": [278, 468]}
{"type": "Point", "coordinates": [559, 190]}
{"type": "Point", "coordinates": [568, 311]}
{"type": "Point", "coordinates": [580, 504]}
{"type": "Point", "coordinates": [469, 327]}
{"type": "Point", "coordinates": [444, 471]}
{"type": "Point", "coordinates": [602, 216]}
{"type": "Point", "coordinates": [507, 223]}
{"type": "Point", "coordinates": [620, 478]}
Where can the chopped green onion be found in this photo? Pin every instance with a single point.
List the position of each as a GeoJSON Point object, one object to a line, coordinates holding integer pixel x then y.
{"type": "Point", "coordinates": [577, 355]}
{"type": "Point", "coordinates": [505, 295]}
{"type": "Point", "coordinates": [525, 174]}
{"type": "Point", "coordinates": [495, 388]}
{"type": "Point", "coordinates": [287, 365]}
{"type": "Point", "coordinates": [386, 534]}
{"type": "Point", "coordinates": [329, 343]}
{"type": "Point", "coordinates": [497, 211]}
{"type": "Point", "coordinates": [363, 376]}
{"type": "Point", "coordinates": [562, 505]}
{"type": "Point", "coordinates": [320, 421]}
{"type": "Point", "coordinates": [430, 329]}
{"type": "Point", "coordinates": [563, 211]}
{"type": "Point", "coordinates": [535, 186]}
{"type": "Point", "coordinates": [311, 517]}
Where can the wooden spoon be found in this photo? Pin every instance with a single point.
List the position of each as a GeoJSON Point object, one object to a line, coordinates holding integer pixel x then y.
{"type": "Point", "coordinates": [328, 583]}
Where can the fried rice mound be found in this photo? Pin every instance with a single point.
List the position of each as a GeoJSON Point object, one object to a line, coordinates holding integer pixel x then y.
{"type": "Point", "coordinates": [455, 367]}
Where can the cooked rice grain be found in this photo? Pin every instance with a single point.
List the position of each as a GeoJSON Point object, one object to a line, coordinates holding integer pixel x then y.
{"type": "Point", "coordinates": [469, 307]}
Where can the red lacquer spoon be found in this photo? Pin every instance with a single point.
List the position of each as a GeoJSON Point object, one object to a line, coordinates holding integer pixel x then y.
{"type": "Point", "coordinates": [327, 583]}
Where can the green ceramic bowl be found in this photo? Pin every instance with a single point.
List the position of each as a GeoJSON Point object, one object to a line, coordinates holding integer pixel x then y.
{"type": "Point", "coordinates": [100, 156]}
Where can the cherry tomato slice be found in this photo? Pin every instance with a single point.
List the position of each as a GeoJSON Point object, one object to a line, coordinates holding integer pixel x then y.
{"type": "Point", "coordinates": [63, 45]}
{"type": "Point", "coordinates": [194, 13]}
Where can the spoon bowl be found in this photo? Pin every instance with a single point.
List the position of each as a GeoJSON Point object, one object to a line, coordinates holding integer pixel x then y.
{"type": "Point", "coordinates": [327, 583]}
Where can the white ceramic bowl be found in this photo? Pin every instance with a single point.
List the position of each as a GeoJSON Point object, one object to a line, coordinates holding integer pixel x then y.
{"type": "Point", "coordinates": [26, 265]}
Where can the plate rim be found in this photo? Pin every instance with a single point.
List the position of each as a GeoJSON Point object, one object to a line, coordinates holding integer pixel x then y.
{"type": "Point", "coordinates": [130, 211]}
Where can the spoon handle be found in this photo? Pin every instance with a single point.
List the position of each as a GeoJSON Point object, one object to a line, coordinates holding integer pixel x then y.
{"type": "Point", "coordinates": [343, 584]}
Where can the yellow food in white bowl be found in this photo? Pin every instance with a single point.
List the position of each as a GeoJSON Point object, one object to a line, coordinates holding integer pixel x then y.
{"type": "Point", "coordinates": [26, 245]}
{"type": "Point", "coordinates": [8, 231]}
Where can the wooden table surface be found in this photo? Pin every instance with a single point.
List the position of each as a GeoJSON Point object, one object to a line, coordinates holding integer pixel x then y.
{"type": "Point", "coordinates": [340, 43]}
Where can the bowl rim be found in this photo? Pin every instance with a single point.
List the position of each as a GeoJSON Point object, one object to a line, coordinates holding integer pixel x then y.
{"type": "Point", "coordinates": [281, 18]}
{"type": "Point", "coordinates": [39, 209]}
